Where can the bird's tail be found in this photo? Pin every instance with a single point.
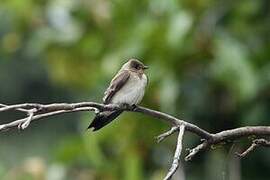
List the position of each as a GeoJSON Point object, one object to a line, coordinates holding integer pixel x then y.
{"type": "Point", "coordinates": [104, 118]}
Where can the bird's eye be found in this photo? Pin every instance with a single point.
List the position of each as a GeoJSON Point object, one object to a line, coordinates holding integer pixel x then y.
{"type": "Point", "coordinates": [137, 66]}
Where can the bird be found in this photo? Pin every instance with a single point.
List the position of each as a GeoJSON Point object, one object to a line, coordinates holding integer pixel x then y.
{"type": "Point", "coordinates": [126, 88]}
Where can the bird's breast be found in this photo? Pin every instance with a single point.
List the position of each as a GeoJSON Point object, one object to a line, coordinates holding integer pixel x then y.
{"type": "Point", "coordinates": [132, 92]}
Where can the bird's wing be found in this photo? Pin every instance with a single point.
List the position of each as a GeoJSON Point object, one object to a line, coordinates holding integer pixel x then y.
{"type": "Point", "coordinates": [116, 84]}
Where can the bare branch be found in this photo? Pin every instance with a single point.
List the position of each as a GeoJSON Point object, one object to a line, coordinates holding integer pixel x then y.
{"type": "Point", "coordinates": [29, 119]}
{"type": "Point", "coordinates": [17, 123]}
{"type": "Point", "coordinates": [175, 122]}
{"type": "Point", "coordinates": [2, 108]}
{"type": "Point", "coordinates": [177, 154]}
{"type": "Point", "coordinates": [255, 143]}
{"type": "Point", "coordinates": [196, 150]}
{"type": "Point", "coordinates": [34, 111]}
{"type": "Point", "coordinates": [166, 134]}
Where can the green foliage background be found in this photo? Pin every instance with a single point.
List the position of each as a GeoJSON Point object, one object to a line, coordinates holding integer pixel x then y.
{"type": "Point", "coordinates": [209, 63]}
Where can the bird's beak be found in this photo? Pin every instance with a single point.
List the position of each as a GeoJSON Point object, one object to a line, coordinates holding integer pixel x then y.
{"type": "Point", "coordinates": [145, 67]}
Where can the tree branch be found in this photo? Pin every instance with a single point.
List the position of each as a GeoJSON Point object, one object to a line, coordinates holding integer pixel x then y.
{"type": "Point", "coordinates": [35, 111]}
{"type": "Point", "coordinates": [166, 134]}
{"type": "Point", "coordinates": [177, 154]}
{"type": "Point", "coordinates": [255, 143]}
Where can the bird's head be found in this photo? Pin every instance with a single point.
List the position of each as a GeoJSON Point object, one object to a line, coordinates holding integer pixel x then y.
{"type": "Point", "coordinates": [134, 65]}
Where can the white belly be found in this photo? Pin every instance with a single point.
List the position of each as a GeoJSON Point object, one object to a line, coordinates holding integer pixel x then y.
{"type": "Point", "coordinates": [132, 92]}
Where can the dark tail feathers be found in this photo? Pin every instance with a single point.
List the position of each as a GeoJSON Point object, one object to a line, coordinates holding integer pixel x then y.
{"type": "Point", "coordinates": [104, 118]}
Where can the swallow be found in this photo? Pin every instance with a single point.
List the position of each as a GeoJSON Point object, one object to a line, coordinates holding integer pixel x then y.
{"type": "Point", "coordinates": [126, 88]}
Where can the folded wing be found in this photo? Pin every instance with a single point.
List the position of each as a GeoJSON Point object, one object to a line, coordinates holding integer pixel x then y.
{"type": "Point", "coordinates": [116, 84]}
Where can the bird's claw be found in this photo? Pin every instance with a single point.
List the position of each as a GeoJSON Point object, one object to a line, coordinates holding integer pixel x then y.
{"type": "Point", "coordinates": [133, 107]}
{"type": "Point", "coordinates": [128, 107]}
{"type": "Point", "coordinates": [125, 106]}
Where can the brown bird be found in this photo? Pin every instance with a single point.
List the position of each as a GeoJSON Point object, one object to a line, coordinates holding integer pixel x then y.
{"type": "Point", "coordinates": [127, 87]}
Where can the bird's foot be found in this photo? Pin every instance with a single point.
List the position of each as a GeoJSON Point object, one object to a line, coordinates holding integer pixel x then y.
{"type": "Point", "coordinates": [134, 107]}
{"type": "Point", "coordinates": [129, 107]}
{"type": "Point", "coordinates": [125, 106]}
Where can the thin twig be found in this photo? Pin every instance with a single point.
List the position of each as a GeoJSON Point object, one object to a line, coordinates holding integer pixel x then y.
{"type": "Point", "coordinates": [255, 143]}
{"type": "Point", "coordinates": [179, 147]}
{"type": "Point", "coordinates": [194, 151]}
{"type": "Point", "coordinates": [162, 136]}
{"type": "Point", "coordinates": [4, 127]}
{"type": "Point", "coordinates": [29, 119]}
{"type": "Point", "coordinates": [2, 108]}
